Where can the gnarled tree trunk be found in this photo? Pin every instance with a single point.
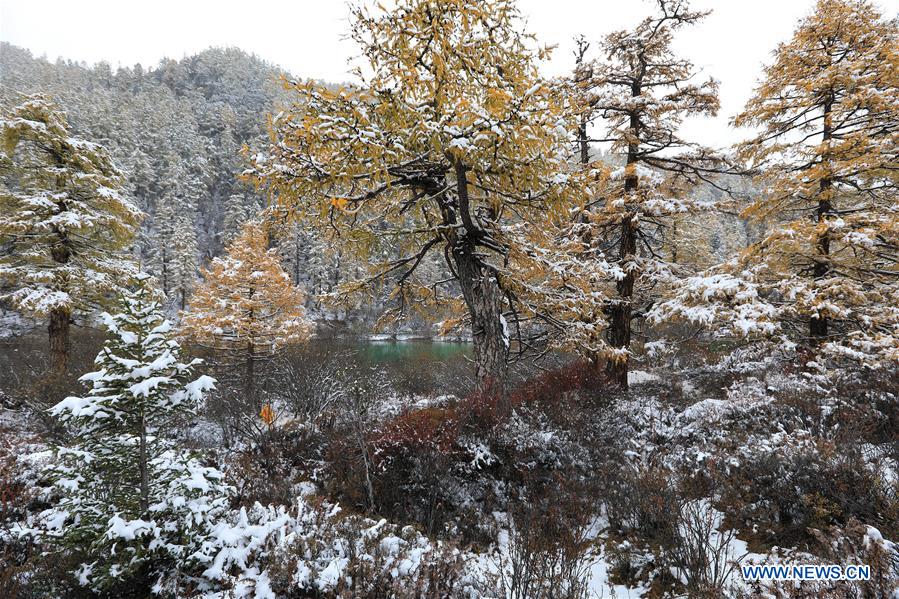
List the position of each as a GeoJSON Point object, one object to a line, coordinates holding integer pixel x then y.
{"type": "Point", "coordinates": [483, 296]}
{"type": "Point", "coordinates": [489, 332]}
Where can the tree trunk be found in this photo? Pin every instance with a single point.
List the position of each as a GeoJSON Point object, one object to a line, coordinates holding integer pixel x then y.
{"type": "Point", "coordinates": [250, 387]}
{"type": "Point", "coordinates": [483, 297]}
{"type": "Point", "coordinates": [817, 323]}
{"type": "Point", "coordinates": [58, 330]}
{"type": "Point", "coordinates": [583, 143]}
{"type": "Point", "coordinates": [165, 273]}
{"type": "Point", "coordinates": [250, 381]}
{"type": "Point", "coordinates": [620, 313]}
{"type": "Point", "coordinates": [144, 474]}
{"type": "Point", "coordinates": [489, 331]}
{"type": "Point", "coordinates": [621, 309]}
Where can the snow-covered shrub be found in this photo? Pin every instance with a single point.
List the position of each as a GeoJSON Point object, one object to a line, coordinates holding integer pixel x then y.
{"type": "Point", "coordinates": [783, 492]}
{"type": "Point", "coordinates": [703, 554]}
{"type": "Point", "coordinates": [854, 543]}
{"type": "Point", "coordinates": [437, 463]}
{"type": "Point", "coordinates": [412, 459]}
{"type": "Point", "coordinates": [133, 507]}
{"type": "Point", "coordinates": [315, 550]}
{"type": "Point", "coordinates": [16, 493]}
{"type": "Point", "coordinates": [269, 470]}
{"type": "Point", "coordinates": [547, 550]}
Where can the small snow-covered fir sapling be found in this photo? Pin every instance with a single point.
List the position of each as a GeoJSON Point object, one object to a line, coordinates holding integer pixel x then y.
{"type": "Point", "coordinates": [134, 505]}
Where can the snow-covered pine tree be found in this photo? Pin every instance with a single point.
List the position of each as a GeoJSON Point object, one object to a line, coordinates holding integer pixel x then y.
{"type": "Point", "coordinates": [186, 266]}
{"type": "Point", "coordinates": [174, 260]}
{"type": "Point", "coordinates": [67, 226]}
{"type": "Point", "coordinates": [134, 507]}
{"type": "Point", "coordinates": [642, 91]}
{"type": "Point", "coordinates": [246, 305]}
{"type": "Point", "coordinates": [238, 210]}
{"type": "Point", "coordinates": [162, 255]}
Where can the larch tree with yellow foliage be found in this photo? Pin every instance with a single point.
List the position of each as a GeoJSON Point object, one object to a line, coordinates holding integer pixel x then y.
{"type": "Point", "coordinates": [65, 227]}
{"type": "Point", "coordinates": [827, 148]}
{"type": "Point", "coordinates": [828, 113]}
{"type": "Point", "coordinates": [454, 145]}
{"type": "Point", "coordinates": [639, 92]}
{"type": "Point", "coordinates": [246, 306]}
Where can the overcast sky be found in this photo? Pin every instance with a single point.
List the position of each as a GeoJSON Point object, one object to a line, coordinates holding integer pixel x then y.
{"type": "Point", "coordinates": [306, 36]}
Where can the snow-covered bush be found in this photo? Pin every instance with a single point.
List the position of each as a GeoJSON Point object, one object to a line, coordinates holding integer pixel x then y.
{"type": "Point", "coordinates": [313, 549]}
{"type": "Point", "coordinates": [16, 492]}
{"type": "Point", "coordinates": [703, 554]}
{"type": "Point", "coordinates": [546, 553]}
{"type": "Point", "coordinates": [441, 463]}
{"type": "Point", "coordinates": [132, 505]}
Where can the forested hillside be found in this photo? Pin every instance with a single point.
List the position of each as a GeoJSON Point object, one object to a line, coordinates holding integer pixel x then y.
{"type": "Point", "coordinates": [176, 130]}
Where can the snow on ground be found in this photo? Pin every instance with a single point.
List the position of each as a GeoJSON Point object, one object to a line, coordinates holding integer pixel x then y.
{"type": "Point", "coordinates": [600, 587]}
{"type": "Point", "coordinates": [638, 377]}
{"type": "Point", "coordinates": [11, 323]}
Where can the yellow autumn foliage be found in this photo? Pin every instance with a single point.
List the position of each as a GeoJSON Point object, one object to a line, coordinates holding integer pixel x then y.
{"type": "Point", "coordinates": [448, 151]}
{"type": "Point", "coordinates": [827, 148]}
{"type": "Point", "coordinates": [246, 302]}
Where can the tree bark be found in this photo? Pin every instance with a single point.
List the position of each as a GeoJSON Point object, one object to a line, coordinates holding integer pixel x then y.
{"type": "Point", "coordinates": [58, 330]}
{"type": "Point", "coordinates": [144, 473]}
{"type": "Point", "coordinates": [165, 272]}
{"type": "Point", "coordinates": [622, 307]}
{"type": "Point", "coordinates": [583, 143]}
{"type": "Point", "coordinates": [483, 297]}
{"type": "Point", "coordinates": [620, 317]}
{"type": "Point", "coordinates": [818, 324]}
{"type": "Point", "coordinates": [488, 331]}
{"type": "Point", "coordinates": [250, 387]}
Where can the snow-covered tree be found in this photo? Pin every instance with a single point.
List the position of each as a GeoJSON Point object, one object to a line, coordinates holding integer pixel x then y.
{"type": "Point", "coordinates": [134, 506]}
{"type": "Point", "coordinates": [827, 148]}
{"type": "Point", "coordinates": [161, 262]}
{"type": "Point", "coordinates": [239, 208]}
{"type": "Point", "coordinates": [642, 91]}
{"type": "Point", "coordinates": [246, 304]}
{"type": "Point", "coordinates": [186, 261]}
{"type": "Point", "coordinates": [445, 146]}
{"type": "Point", "coordinates": [174, 259]}
{"type": "Point", "coordinates": [68, 228]}
{"type": "Point", "coordinates": [305, 255]}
